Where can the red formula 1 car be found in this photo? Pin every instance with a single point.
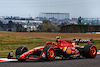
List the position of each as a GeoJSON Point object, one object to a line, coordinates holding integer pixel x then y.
{"type": "Point", "coordinates": [61, 48]}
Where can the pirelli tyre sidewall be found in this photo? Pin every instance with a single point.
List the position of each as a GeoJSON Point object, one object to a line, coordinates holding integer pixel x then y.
{"type": "Point", "coordinates": [90, 51]}
{"type": "Point", "coordinates": [50, 53]}
{"type": "Point", "coordinates": [20, 50]}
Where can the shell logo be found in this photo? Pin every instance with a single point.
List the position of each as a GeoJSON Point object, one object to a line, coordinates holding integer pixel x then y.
{"type": "Point", "coordinates": [68, 51]}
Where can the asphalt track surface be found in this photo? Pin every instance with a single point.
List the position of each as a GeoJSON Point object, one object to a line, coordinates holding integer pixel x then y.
{"type": "Point", "coordinates": [57, 63]}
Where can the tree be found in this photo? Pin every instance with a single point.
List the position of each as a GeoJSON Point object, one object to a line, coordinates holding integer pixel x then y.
{"type": "Point", "coordinates": [1, 25]}
{"type": "Point", "coordinates": [18, 27]}
{"type": "Point", "coordinates": [0, 29]}
{"type": "Point", "coordinates": [11, 24]}
{"type": "Point", "coordinates": [47, 26]}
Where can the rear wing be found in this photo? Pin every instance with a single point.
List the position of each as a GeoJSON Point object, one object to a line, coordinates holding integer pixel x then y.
{"type": "Point", "coordinates": [83, 40]}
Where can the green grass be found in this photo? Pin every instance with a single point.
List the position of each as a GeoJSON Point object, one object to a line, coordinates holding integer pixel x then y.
{"type": "Point", "coordinates": [5, 31]}
{"type": "Point", "coordinates": [10, 43]}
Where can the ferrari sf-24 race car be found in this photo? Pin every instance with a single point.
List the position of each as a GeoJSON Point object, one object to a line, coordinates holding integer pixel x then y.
{"type": "Point", "coordinates": [61, 48]}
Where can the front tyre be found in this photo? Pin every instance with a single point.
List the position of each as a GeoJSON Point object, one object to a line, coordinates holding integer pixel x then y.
{"type": "Point", "coordinates": [90, 51]}
{"type": "Point", "coordinates": [19, 51]}
{"type": "Point", "coordinates": [50, 53]}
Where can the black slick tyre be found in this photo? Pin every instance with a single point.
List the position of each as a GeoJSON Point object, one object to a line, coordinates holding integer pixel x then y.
{"type": "Point", "coordinates": [50, 53]}
{"type": "Point", "coordinates": [20, 50]}
{"type": "Point", "coordinates": [90, 51]}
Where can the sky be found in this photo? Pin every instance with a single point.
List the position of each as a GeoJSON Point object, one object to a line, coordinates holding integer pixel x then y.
{"type": "Point", "coordinates": [26, 8]}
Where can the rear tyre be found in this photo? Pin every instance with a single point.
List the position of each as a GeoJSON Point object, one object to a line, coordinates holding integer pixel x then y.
{"type": "Point", "coordinates": [20, 50]}
{"type": "Point", "coordinates": [90, 51]}
{"type": "Point", "coordinates": [50, 53]}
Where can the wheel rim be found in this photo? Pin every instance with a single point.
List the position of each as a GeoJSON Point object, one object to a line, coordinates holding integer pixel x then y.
{"type": "Point", "coordinates": [51, 54]}
{"type": "Point", "coordinates": [93, 51]}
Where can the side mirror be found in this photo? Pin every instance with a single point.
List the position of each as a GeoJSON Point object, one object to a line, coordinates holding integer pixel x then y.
{"type": "Point", "coordinates": [38, 45]}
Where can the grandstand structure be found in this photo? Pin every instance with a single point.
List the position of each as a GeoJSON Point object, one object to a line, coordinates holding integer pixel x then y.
{"type": "Point", "coordinates": [55, 15]}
